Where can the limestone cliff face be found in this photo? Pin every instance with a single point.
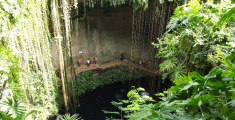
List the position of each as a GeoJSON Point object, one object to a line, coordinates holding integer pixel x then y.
{"type": "Point", "coordinates": [106, 32]}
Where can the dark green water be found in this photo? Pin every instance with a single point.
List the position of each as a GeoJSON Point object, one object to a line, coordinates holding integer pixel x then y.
{"type": "Point", "coordinates": [93, 102]}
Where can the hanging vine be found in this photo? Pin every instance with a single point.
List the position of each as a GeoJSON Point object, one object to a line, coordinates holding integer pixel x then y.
{"type": "Point", "coordinates": [25, 30]}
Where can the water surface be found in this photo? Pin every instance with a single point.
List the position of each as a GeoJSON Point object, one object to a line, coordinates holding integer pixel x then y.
{"type": "Point", "coordinates": [93, 102]}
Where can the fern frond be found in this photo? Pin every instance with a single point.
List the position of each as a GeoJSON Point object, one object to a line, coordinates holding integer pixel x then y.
{"type": "Point", "coordinates": [68, 117]}
{"type": "Point", "coordinates": [183, 79]}
{"type": "Point", "coordinates": [168, 64]}
{"type": "Point", "coordinates": [175, 72]}
{"type": "Point", "coordinates": [173, 23]}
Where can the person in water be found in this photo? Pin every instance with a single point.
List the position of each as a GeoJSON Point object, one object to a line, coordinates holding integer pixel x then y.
{"type": "Point", "coordinates": [121, 57]}
{"type": "Point", "coordinates": [80, 62]}
{"type": "Point", "coordinates": [96, 60]}
{"type": "Point", "coordinates": [88, 62]}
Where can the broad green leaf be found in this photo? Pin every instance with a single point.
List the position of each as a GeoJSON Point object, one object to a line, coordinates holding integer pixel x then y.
{"type": "Point", "coordinates": [166, 111]}
{"type": "Point", "coordinates": [185, 117]}
{"type": "Point", "coordinates": [232, 102]}
{"type": "Point", "coordinates": [226, 78]}
{"type": "Point", "coordinates": [210, 76]}
{"type": "Point", "coordinates": [225, 17]}
{"type": "Point", "coordinates": [184, 102]}
{"type": "Point", "coordinates": [224, 110]}
{"type": "Point", "coordinates": [231, 57]}
{"type": "Point", "coordinates": [130, 93]}
{"type": "Point", "coordinates": [214, 112]}
{"type": "Point", "coordinates": [156, 106]}
{"type": "Point", "coordinates": [197, 76]}
{"type": "Point", "coordinates": [139, 115]}
{"type": "Point", "coordinates": [232, 115]}
{"type": "Point", "coordinates": [167, 115]}
{"type": "Point", "coordinates": [191, 83]}
{"type": "Point", "coordinates": [228, 73]}
{"type": "Point", "coordinates": [215, 71]}
{"type": "Point", "coordinates": [230, 66]}
{"type": "Point", "coordinates": [154, 114]}
{"type": "Point", "coordinates": [200, 100]}
{"type": "Point", "coordinates": [200, 103]}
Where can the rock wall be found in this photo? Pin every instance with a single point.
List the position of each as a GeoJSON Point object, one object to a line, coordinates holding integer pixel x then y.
{"type": "Point", "coordinates": [106, 32]}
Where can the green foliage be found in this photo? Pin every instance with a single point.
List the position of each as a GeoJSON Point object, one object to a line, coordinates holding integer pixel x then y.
{"type": "Point", "coordinates": [137, 3]}
{"type": "Point", "coordinates": [192, 41]}
{"type": "Point", "coordinates": [226, 16]}
{"type": "Point", "coordinates": [9, 71]}
{"type": "Point", "coordinates": [26, 70]}
{"type": "Point", "coordinates": [4, 116]}
{"type": "Point", "coordinates": [87, 81]}
{"type": "Point", "coordinates": [11, 90]}
{"type": "Point", "coordinates": [193, 97]}
{"type": "Point", "coordinates": [135, 104]}
{"type": "Point", "coordinates": [68, 117]}
{"type": "Point", "coordinates": [14, 106]}
{"type": "Point", "coordinates": [15, 110]}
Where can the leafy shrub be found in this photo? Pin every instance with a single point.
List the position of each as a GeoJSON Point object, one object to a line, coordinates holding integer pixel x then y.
{"type": "Point", "coordinates": [193, 97]}
{"type": "Point", "coordinates": [194, 41]}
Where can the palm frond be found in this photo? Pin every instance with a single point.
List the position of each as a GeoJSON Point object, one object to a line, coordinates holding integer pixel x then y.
{"type": "Point", "coordinates": [14, 106]}
{"type": "Point", "coordinates": [68, 117]}
{"type": "Point", "coordinates": [5, 116]}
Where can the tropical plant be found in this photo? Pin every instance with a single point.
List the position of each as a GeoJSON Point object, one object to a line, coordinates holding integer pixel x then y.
{"type": "Point", "coordinates": [195, 97]}
{"type": "Point", "coordinates": [68, 117]}
{"type": "Point", "coordinates": [27, 74]}
{"type": "Point", "coordinates": [9, 82]}
{"type": "Point", "coordinates": [15, 110]}
{"type": "Point", "coordinates": [192, 41]}
{"type": "Point", "coordinates": [226, 16]}
{"type": "Point", "coordinates": [135, 104]}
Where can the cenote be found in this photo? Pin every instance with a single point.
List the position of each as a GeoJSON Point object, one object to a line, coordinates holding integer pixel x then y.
{"type": "Point", "coordinates": [151, 59]}
{"type": "Point", "coordinates": [101, 87]}
{"type": "Point", "coordinates": [93, 102]}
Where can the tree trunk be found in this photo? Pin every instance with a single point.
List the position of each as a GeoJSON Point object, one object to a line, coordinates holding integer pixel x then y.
{"type": "Point", "coordinates": [61, 64]}
{"type": "Point", "coordinates": [58, 38]}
